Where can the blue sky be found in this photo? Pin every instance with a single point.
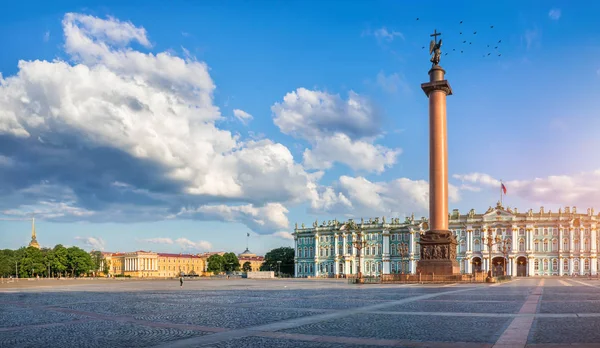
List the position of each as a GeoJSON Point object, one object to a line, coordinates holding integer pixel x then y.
{"type": "Point", "coordinates": [182, 127]}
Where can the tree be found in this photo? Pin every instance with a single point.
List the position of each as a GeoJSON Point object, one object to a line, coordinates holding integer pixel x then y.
{"type": "Point", "coordinates": [283, 254]}
{"type": "Point", "coordinates": [106, 266]}
{"type": "Point", "coordinates": [247, 266]}
{"type": "Point", "coordinates": [97, 259]}
{"type": "Point", "coordinates": [78, 261]}
{"type": "Point", "coordinates": [230, 262]}
{"type": "Point", "coordinates": [31, 263]}
{"type": "Point", "coordinates": [7, 263]}
{"type": "Point", "coordinates": [215, 263]}
{"type": "Point", "coordinates": [59, 260]}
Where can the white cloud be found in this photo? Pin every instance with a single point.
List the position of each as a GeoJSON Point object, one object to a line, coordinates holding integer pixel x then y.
{"type": "Point", "coordinates": [581, 189]}
{"type": "Point", "coordinates": [183, 243]}
{"type": "Point", "coordinates": [270, 217]}
{"type": "Point", "coordinates": [284, 235]}
{"type": "Point", "coordinates": [554, 14]}
{"type": "Point", "coordinates": [92, 242]}
{"type": "Point", "coordinates": [242, 116]}
{"type": "Point", "coordinates": [531, 37]}
{"type": "Point", "coordinates": [359, 196]}
{"type": "Point", "coordinates": [338, 130]}
{"type": "Point", "coordinates": [383, 34]}
{"type": "Point", "coordinates": [146, 120]}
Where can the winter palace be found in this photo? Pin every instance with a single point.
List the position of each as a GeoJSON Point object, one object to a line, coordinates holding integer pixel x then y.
{"type": "Point", "coordinates": [542, 243]}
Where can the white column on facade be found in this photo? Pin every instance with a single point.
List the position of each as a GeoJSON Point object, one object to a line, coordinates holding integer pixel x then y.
{"type": "Point", "coordinates": [385, 257]}
{"type": "Point", "coordinates": [317, 250]}
{"type": "Point", "coordinates": [571, 266]}
{"type": "Point", "coordinates": [412, 247]}
{"type": "Point", "coordinates": [581, 243]}
{"type": "Point", "coordinates": [514, 267]}
{"type": "Point", "coordinates": [335, 245]}
{"type": "Point", "coordinates": [531, 264]}
{"type": "Point", "coordinates": [593, 239]}
{"type": "Point", "coordinates": [593, 265]}
{"type": "Point", "coordinates": [560, 265]}
{"type": "Point", "coordinates": [581, 265]}
{"type": "Point", "coordinates": [344, 249]}
{"type": "Point", "coordinates": [470, 265]}
{"type": "Point", "coordinates": [571, 243]}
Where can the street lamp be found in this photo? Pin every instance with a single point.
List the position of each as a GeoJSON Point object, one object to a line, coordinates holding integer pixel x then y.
{"type": "Point", "coordinates": [359, 243]}
{"type": "Point", "coordinates": [404, 253]}
{"type": "Point", "coordinates": [279, 268]}
{"type": "Point", "coordinates": [504, 247]}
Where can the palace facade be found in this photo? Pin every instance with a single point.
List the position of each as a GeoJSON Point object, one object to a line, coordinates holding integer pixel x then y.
{"type": "Point", "coordinates": [502, 240]}
{"type": "Point", "coordinates": [142, 264]}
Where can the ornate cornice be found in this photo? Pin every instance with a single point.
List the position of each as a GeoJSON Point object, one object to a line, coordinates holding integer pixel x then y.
{"type": "Point", "coordinates": [430, 87]}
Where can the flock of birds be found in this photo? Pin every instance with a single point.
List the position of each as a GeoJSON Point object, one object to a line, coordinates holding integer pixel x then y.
{"type": "Point", "coordinates": [466, 43]}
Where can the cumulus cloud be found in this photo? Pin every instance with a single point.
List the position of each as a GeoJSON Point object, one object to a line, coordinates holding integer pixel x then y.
{"type": "Point", "coordinates": [338, 129]}
{"type": "Point", "coordinates": [581, 189]}
{"type": "Point", "coordinates": [183, 243]}
{"type": "Point", "coordinates": [92, 242]}
{"type": "Point", "coordinates": [272, 216]}
{"type": "Point", "coordinates": [283, 235]}
{"type": "Point", "coordinates": [392, 83]}
{"type": "Point", "coordinates": [129, 134]}
{"type": "Point", "coordinates": [554, 14]}
{"type": "Point", "coordinates": [359, 196]}
{"type": "Point", "coordinates": [242, 116]}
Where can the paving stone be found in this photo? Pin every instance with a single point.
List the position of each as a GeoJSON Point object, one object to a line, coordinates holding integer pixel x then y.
{"type": "Point", "coordinates": [565, 330]}
{"type": "Point", "coordinates": [459, 307]}
{"type": "Point", "coordinates": [93, 334]}
{"type": "Point", "coordinates": [265, 342]}
{"type": "Point", "coordinates": [425, 328]}
{"type": "Point", "coordinates": [226, 317]}
{"type": "Point", "coordinates": [570, 307]}
{"type": "Point", "coordinates": [15, 317]}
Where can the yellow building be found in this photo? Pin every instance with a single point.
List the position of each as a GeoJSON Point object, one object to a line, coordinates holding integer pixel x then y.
{"type": "Point", "coordinates": [255, 261]}
{"type": "Point", "coordinates": [148, 264]}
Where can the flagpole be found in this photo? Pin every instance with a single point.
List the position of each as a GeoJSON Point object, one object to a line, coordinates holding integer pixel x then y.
{"type": "Point", "coordinates": [501, 193]}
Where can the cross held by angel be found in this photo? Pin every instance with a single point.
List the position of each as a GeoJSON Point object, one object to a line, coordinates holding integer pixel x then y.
{"type": "Point", "coordinates": [435, 48]}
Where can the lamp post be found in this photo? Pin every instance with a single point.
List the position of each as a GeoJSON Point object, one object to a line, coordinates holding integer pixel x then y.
{"type": "Point", "coordinates": [404, 253]}
{"type": "Point", "coordinates": [489, 241]}
{"type": "Point", "coordinates": [359, 243]}
{"type": "Point", "coordinates": [279, 268]}
{"type": "Point", "coordinates": [16, 270]}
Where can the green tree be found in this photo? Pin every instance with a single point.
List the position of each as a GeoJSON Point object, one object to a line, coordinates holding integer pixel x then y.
{"type": "Point", "coordinates": [247, 266]}
{"type": "Point", "coordinates": [215, 263]}
{"type": "Point", "coordinates": [7, 263]}
{"type": "Point", "coordinates": [230, 262]}
{"type": "Point", "coordinates": [78, 261]}
{"type": "Point", "coordinates": [283, 254]}
{"type": "Point", "coordinates": [31, 262]}
{"type": "Point", "coordinates": [59, 260]}
{"type": "Point", "coordinates": [97, 260]}
{"type": "Point", "coordinates": [106, 266]}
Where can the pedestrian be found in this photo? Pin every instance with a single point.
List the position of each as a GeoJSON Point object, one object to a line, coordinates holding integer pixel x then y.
{"type": "Point", "coordinates": [180, 281]}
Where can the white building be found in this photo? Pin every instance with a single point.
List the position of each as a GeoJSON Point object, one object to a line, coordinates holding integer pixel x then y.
{"type": "Point", "coordinates": [542, 243]}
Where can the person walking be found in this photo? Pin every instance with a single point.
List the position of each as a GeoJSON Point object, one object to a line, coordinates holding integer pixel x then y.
{"type": "Point", "coordinates": [180, 281]}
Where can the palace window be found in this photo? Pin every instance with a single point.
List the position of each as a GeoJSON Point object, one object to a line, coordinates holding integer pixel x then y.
{"type": "Point", "coordinates": [537, 232]}
{"type": "Point", "coordinates": [545, 231]}
{"type": "Point", "coordinates": [555, 265]}
{"type": "Point", "coordinates": [393, 267]}
{"type": "Point", "coordinates": [586, 244]}
{"type": "Point", "coordinates": [477, 233]}
{"type": "Point", "coordinates": [566, 265]}
{"type": "Point", "coordinates": [368, 251]}
{"type": "Point", "coordinates": [587, 232]}
{"type": "Point", "coordinates": [477, 245]}
{"type": "Point", "coordinates": [576, 245]}
{"type": "Point", "coordinates": [521, 244]}
{"type": "Point", "coordinates": [586, 264]}
{"type": "Point", "coordinates": [373, 251]}
{"type": "Point", "coordinates": [462, 234]}
{"type": "Point", "coordinates": [555, 232]}
{"type": "Point", "coordinates": [554, 245]}
{"type": "Point", "coordinates": [536, 245]}
{"type": "Point", "coordinates": [379, 267]}
{"type": "Point", "coordinates": [350, 249]}
{"type": "Point", "coordinates": [536, 265]}
{"type": "Point", "coordinates": [521, 232]}
{"type": "Point", "coordinates": [575, 265]}
{"type": "Point", "coordinates": [310, 252]}
{"type": "Point", "coordinates": [463, 246]}
{"type": "Point", "coordinates": [340, 249]}
{"type": "Point", "coordinates": [393, 237]}
{"type": "Point", "coordinates": [545, 245]}
{"type": "Point", "coordinates": [545, 265]}
{"type": "Point", "coordinates": [565, 244]}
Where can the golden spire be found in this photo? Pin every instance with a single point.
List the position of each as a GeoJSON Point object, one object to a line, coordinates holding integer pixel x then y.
{"type": "Point", "coordinates": [34, 243]}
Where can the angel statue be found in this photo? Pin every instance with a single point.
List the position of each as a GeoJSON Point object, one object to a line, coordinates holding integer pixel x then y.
{"type": "Point", "coordinates": [435, 48]}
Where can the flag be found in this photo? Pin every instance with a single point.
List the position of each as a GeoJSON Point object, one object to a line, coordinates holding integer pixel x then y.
{"type": "Point", "coordinates": [248, 233]}
{"type": "Point", "coordinates": [503, 188]}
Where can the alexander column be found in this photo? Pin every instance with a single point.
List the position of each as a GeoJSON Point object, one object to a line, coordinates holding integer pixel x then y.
{"type": "Point", "coordinates": [438, 244]}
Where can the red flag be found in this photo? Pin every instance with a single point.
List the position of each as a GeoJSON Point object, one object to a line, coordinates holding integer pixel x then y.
{"type": "Point", "coordinates": [503, 188]}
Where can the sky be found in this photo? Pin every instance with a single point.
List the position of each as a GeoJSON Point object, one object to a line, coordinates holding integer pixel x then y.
{"type": "Point", "coordinates": [184, 126]}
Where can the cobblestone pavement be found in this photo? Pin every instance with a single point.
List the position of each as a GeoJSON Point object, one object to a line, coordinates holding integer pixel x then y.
{"type": "Point", "coordinates": [527, 312]}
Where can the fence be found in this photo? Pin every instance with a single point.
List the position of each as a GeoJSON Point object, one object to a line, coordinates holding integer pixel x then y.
{"type": "Point", "coordinates": [478, 277]}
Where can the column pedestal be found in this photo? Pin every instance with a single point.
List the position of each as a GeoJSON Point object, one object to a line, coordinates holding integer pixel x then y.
{"type": "Point", "coordinates": [438, 253]}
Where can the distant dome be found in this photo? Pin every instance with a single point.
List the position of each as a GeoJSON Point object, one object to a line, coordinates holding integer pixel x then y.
{"type": "Point", "coordinates": [247, 253]}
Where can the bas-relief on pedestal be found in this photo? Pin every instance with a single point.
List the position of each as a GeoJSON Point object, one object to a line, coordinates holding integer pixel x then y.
{"type": "Point", "coordinates": [438, 253]}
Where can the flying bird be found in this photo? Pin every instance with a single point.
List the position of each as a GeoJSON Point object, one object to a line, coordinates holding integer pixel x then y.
{"type": "Point", "coordinates": [491, 26]}
{"type": "Point", "coordinates": [496, 47]}
{"type": "Point", "coordinates": [499, 54]}
{"type": "Point", "coordinates": [423, 47]}
{"type": "Point", "coordinates": [465, 41]}
{"type": "Point", "coordinates": [489, 54]}
{"type": "Point", "coordinates": [499, 41]}
{"type": "Point", "coordinates": [470, 43]}
{"type": "Point", "coordinates": [474, 33]}
{"type": "Point", "coordinates": [460, 33]}
{"type": "Point", "coordinates": [461, 51]}
{"type": "Point", "coordinates": [417, 18]}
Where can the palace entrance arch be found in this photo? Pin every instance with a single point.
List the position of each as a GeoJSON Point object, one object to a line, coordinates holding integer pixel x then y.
{"type": "Point", "coordinates": [476, 264]}
{"type": "Point", "coordinates": [521, 266]}
{"type": "Point", "coordinates": [498, 266]}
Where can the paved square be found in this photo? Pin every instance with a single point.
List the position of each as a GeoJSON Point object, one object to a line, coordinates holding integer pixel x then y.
{"type": "Point", "coordinates": [532, 312]}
